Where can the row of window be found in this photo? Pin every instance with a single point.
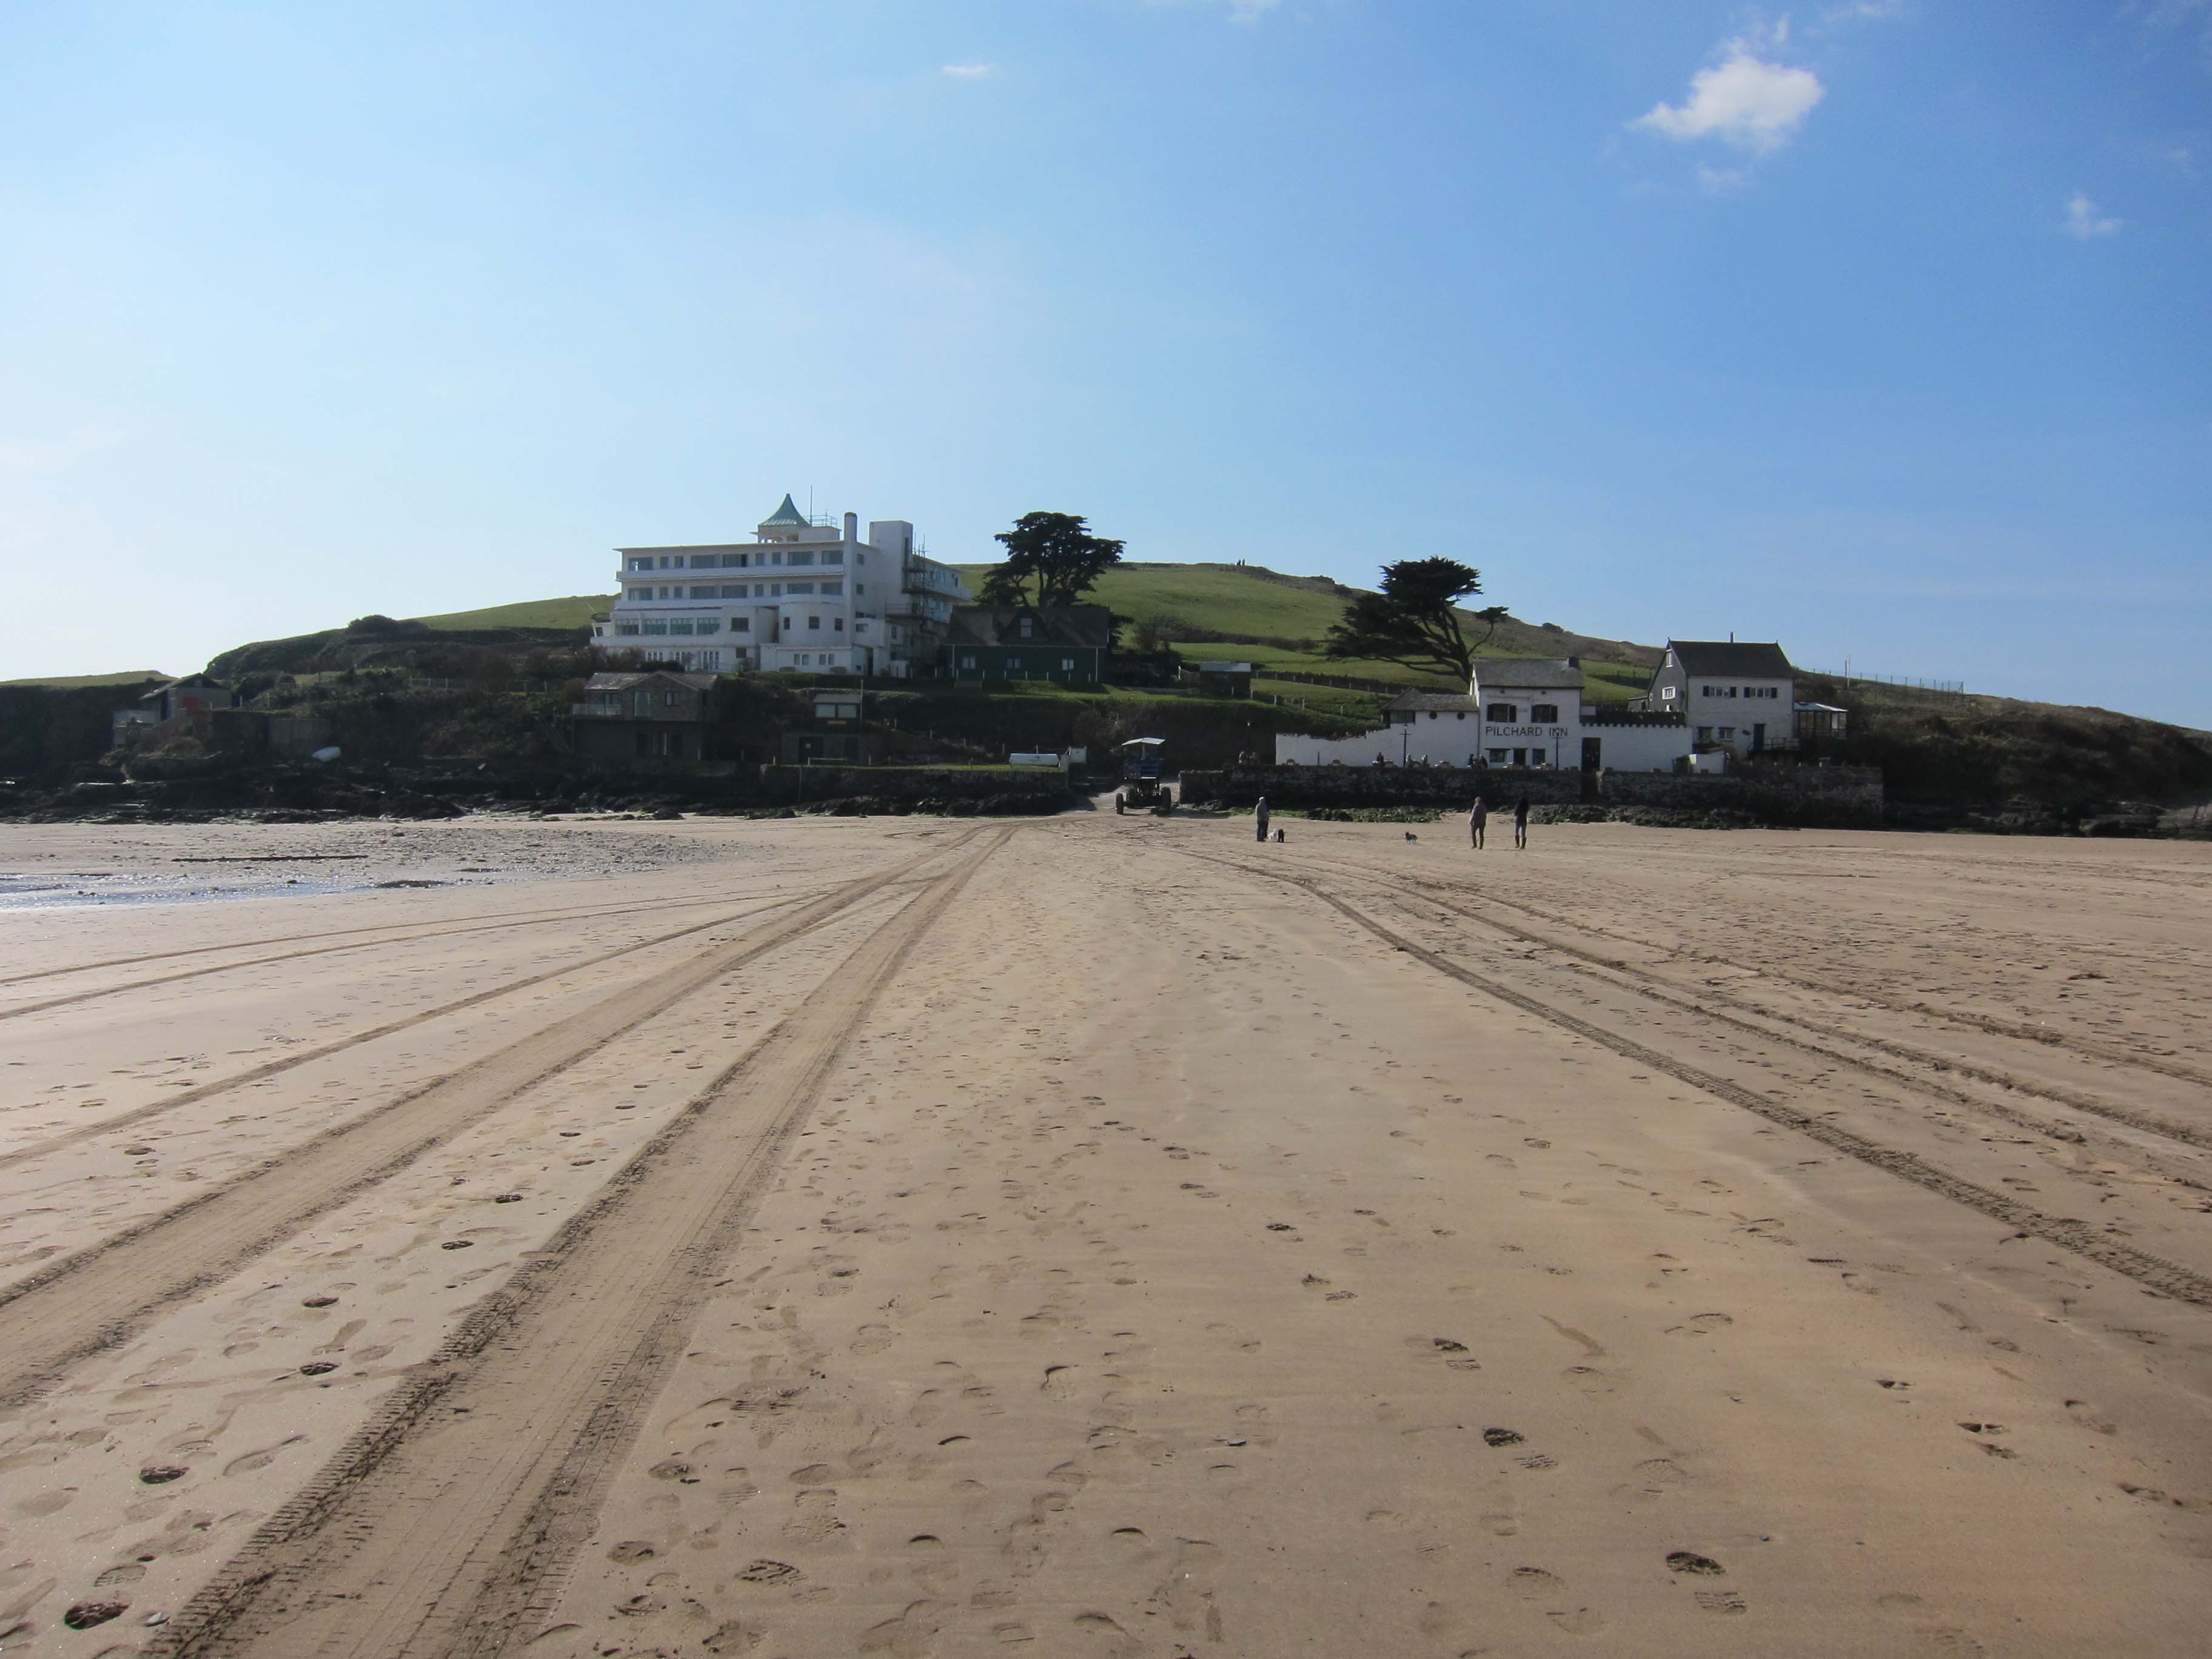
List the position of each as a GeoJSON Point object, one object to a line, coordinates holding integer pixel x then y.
{"type": "Point", "coordinates": [1508, 714]}
{"type": "Point", "coordinates": [1014, 665]}
{"type": "Point", "coordinates": [738, 561]}
{"type": "Point", "coordinates": [658, 625]}
{"type": "Point", "coordinates": [834, 589]}
{"type": "Point", "coordinates": [1737, 691]}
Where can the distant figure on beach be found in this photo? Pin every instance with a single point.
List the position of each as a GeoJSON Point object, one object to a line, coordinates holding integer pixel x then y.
{"type": "Point", "coordinates": [1478, 820]}
{"type": "Point", "coordinates": [1260, 816]}
{"type": "Point", "coordinates": [1521, 824]}
{"type": "Point", "coordinates": [1278, 835]}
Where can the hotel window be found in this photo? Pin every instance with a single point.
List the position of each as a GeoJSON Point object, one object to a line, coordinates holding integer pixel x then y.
{"type": "Point", "coordinates": [838, 622]}
{"type": "Point", "coordinates": [654, 626]}
{"type": "Point", "coordinates": [799, 587]}
{"type": "Point", "coordinates": [709, 592]}
{"type": "Point", "coordinates": [1497, 756]}
{"type": "Point", "coordinates": [859, 590]}
{"type": "Point", "coordinates": [625, 628]}
{"type": "Point", "coordinates": [734, 562]}
{"type": "Point", "coordinates": [1504, 713]}
{"type": "Point", "coordinates": [664, 561]}
{"type": "Point", "coordinates": [1725, 733]}
{"type": "Point", "coordinates": [1705, 734]}
{"type": "Point", "coordinates": [741, 624]}
{"type": "Point", "coordinates": [833, 589]}
{"type": "Point", "coordinates": [679, 624]}
{"type": "Point", "coordinates": [814, 624]}
{"type": "Point", "coordinates": [775, 590]}
{"type": "Point", "coordinates": [835, 556]}
{"type": "Point", "coordinates": [710, 624]}
{"type": "Point", "coordinates": [733, 590]}
{"type": "Point", "coordinates": [801, 558]}
{"type": "Point", "coordinates": [1545, 714]}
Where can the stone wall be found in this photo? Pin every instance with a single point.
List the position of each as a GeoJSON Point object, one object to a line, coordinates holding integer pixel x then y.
{"type": "Point", "coordinates": [1833, 796]}
{"type": "Point", "coordinates": [1377, 786]}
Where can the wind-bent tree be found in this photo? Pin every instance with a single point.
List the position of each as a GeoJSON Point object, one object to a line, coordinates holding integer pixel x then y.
{"type": "Point", "coordinates": [1053, 553]}
{"type": "Point", "coordinates": [1414, 620]}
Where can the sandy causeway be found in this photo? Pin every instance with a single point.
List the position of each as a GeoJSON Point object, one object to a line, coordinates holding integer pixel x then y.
{"type": "Point", "coordinates": [1101, 1236]}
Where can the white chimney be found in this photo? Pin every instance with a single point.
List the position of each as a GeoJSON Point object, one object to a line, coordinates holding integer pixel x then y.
{"type": "Point", "coordinates": [852, 527]}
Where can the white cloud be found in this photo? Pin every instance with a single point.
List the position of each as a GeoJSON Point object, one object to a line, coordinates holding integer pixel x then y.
{"type": "Point", "coordinates": [1745, 100]}
{"type": "Point", "coordinates": [1862, 11]}
{"type": "Point", "coordinates": [2082, 222]}
{"type": "Point", "coordinates": [969, 71]}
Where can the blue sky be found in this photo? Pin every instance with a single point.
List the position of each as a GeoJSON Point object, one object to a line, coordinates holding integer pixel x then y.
{"type": "Point", "coordinates": [1878, 328]}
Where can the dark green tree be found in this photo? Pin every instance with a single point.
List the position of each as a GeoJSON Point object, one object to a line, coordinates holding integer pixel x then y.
{"type": "Point", "coordinates": [1415, 620]}
{"type": "Point", "coordinates": [1052, 558]}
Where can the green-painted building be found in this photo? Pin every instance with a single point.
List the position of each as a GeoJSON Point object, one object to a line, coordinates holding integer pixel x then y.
{"type": "Point", "coordinates": [1063, 644]}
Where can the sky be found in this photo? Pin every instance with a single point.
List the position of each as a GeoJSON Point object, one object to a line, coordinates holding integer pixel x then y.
{"type": "Point", "coordinates": [1882, 328]}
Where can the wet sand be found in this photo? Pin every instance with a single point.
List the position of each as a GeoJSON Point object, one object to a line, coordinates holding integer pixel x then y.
{"type": "Point", "coordinates": [1107, 1236]}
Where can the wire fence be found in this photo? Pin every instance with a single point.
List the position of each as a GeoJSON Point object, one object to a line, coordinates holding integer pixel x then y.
{"type": "Point", "coordinates": [1849, 678]}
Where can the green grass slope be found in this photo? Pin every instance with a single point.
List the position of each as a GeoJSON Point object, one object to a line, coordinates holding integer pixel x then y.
{"type": "Point", "coordinates": [75, 682]}
{"type": "Point", "coordinates": [574, 611]}
{"type": "Point", "coordinates": [1277, 623]}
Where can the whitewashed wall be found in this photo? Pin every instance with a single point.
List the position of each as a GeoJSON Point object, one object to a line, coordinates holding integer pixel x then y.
{"type": "Point", "coordinates": [1639, 748]}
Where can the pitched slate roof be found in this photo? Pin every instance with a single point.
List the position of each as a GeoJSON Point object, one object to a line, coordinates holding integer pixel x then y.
{"type": "Point", "coordinates": [1528, 673]}
{"type": "Point", "coordinates": [1433, 702]}
{"type": "Point", "coordinates": [1755, 662]}
{"type": "Point", "coordinates": [787, 513]}
{"type": "Point", "coordinates": [1085, 627]}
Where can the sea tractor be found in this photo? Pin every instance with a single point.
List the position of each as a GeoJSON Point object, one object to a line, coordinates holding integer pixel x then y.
{"type": "Point", "coordinates": [1141, 790]}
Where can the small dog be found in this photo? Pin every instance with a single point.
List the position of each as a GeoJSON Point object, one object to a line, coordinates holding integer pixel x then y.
{"type": "Point", "coordinates": [1410, 836]}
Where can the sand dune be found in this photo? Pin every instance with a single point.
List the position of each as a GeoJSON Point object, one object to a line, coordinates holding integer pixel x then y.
{"type": "Point", "coordinates": [1106, 1236]}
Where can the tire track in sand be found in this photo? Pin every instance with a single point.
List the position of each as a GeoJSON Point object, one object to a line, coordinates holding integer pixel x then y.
{"type": "Point", "coordinates": [2086, 1047]}
{"type": "Point", "coordinates": [2169, 1278]}
{"type": "Point", "coordinates": [267, 1069]}
{"type": "Point", "coordinates": [447, 1522]}
{"type": "Point", "coordinates": [1703, 1005]}
{"type": "Point", "coordinates": [81, 1303]}
{"type": "Point", "coordinates": [423, 930]}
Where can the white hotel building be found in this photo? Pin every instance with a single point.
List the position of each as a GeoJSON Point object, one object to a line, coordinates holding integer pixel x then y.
{"type": "Point", "coordinates": [805, 593]}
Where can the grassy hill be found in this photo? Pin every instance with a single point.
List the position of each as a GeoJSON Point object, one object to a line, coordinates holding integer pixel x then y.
{"type": "Point", "coordinates": [1277, 623]}
{"type": "Point", "coordinates": [77, 682]}
{"type": "Point", "coordinates": [574, 611]}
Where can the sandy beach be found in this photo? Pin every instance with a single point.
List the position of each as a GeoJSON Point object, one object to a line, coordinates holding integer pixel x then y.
{"type": "Point", "coordinates": [1103, 1236]}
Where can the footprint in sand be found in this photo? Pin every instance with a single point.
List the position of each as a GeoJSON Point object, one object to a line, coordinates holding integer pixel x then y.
{"type": "Point", "coordinates": [1547, 1592]}
{"type": "Point", "coordinates": [261, 1459]}
{"type": "Point", "coordinates": [1106, 1638]}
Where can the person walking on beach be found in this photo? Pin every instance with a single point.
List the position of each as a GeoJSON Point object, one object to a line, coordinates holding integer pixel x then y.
{"type": "Point", "coordinates": [1260, 816]}
{"type": "Point", "coordinates": [1520, 825]}
{"type": "Point", "coordinates": [1478, 820]}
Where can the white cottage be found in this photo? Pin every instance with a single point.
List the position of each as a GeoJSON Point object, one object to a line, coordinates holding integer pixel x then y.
{"type": "Point", "coordinates": [1531, 710]}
